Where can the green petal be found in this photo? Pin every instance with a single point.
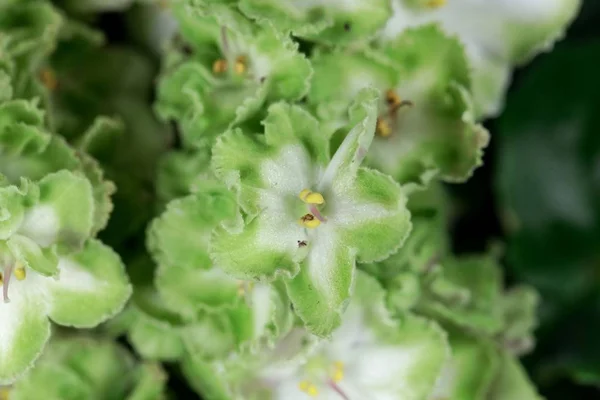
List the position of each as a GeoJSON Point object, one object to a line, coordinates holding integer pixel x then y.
{"type": "Point", "coordinates": [288, 125]}
{"type": "Point", "coordinates": [12, 210]}
{"type": "Point", "coordinates": [42, 260]}
{"type": "Point", "coordinates": [468, 293]}
{"type": "Point", "coordinates": [339, 76]}
{"type": "Point", "coordinates": [321, 289]}
{"type": "Point", "coordinates": [438, 132]}
{"type": "Point", "coordinates": [189, 290]}
{"type": "Point", "coordinates": [102, 192]}
{"type": "Point", "coordinates": [150, 383]}
{"type": "Point", "coordinates": [68, 200]}
{"type": "Point", "coordinates": [334, 22]}
{"type": "Point", "coordinates": [204, 378]}
{"type": "Point", "coordinates": [155, 339]}
{"type": "Point", "coordinates": [519, 309]}
{"type": "Point", "coordinates": [179, 240]}
{"type": "Point", "coordinates": [377, 221]}
{"type": "Point", "coordinates": [24, 329]}
{"type": "Point", "coordinates": [102, 364]}
{"type": "Point", "coordinates": [256, 252]}
{"type": "Point", "coordinates": [349, 155]}
{"type": "Point", "coordinates": [512, 382]}
{"type": "Point", "coordinates": [469, 372]}
{"type": "Point", "coordinates": [179, 237]}
{"type": "Point", "coordinates": [51, 381]}
{"type": "Point", "coordinates": [92, 287]}
{"type": "Point", "coordinates": [212, 336]}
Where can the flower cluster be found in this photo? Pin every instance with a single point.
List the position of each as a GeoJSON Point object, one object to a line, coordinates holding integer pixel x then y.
{"type": "Point", "coordinates": [288, 238]}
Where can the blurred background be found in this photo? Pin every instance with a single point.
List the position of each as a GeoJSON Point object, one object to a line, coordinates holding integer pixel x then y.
{"type": "Point", "coordinates": [538, 196]}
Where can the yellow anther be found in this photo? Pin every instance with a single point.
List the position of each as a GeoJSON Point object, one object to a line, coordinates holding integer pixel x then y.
{"type": "Point", "coordinates": [1, 283]}
{"type": "Point", "coordinates": [338, 372]}
{"type": "Point", "coordinates": [311, 197]}
{"type": "Point", "coordinates": [436, 3]}
{"type": "Point", "coordinates": [309, 221]}
{"type": "Point", "coordinates": [244, 287]}
{"type": "Point", "coordinates": [220, 66]}
{"type": "Point", "coordinates": [4, 393]}
{"type": "Point", "coordinates": [48, 78]}
{"type": "Point", "coordinates": [308, 388]}
{"type": "Point", "coordinates": [240, 65]}
{"type": "Point", "coordinates": [20, 273]}
{"type": "Point", "coordinates": [392, 98]}
{"type": "Point", "coordinates": [383, 129]}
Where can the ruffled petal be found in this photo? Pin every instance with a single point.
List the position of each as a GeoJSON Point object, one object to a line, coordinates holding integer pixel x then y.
{"type": "Point", "coordinates": [92, 286]}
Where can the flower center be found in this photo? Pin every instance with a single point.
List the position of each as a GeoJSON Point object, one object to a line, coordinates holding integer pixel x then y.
{"type": "Point", "coordinates": [313, 218]}
{"type": "Point", "coordinates": [321, 373]}
{"type": "Point", "coordinates": [386, 122]}
{"type": "Point", "coordinates": [240, 66]}
{"type": "Point", "coordinates": [18, 270]}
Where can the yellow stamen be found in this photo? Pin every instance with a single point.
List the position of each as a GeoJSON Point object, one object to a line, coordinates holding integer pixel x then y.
{"type": "Point", "coordinates": [309, 221]}
{"type": "Point", "coordinates": [392, 98]}
{"type": "Point", "coordinates": [244, 287]}
{"type": "Point", "coordinates": [4, 392]}
{"type": "Point", "coordinates": [338, 372]}
{"type": "Point", "coordinates": [240, 65]}
{"type": "Point", "coordinates": [1, 283]}
{"type": "Point", "coordinates": [48, 78]}
{"type": "Point", "coordinates": [311, 197]}
{"type": "Point", "coordinates": [20, 273]}
{"type": "Point", "coordinates": [220, 66]}
{"type": "Point", "coordinates": [383, 129]}
{"type": "Point", "coordinates": [436, 3]}
{"type": "Point", "coordinates": [308, 388]}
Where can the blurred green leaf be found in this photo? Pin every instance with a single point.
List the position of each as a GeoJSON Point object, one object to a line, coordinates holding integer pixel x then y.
{"type": "Point", "coordinates": [549, 185]}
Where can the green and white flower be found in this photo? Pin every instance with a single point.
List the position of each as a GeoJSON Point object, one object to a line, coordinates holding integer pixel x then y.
{"type": "Point", "coordinates": [425, 124]}
{"type": "Point", "coordinates": [234, 68]}
{"type": "Point", "coordinates": [370, 356]}
{"type": "Point", "coordinates": [49, 267]}
{"type": "Point", "coordinates": [497, 34]}
{"type": "Point", "coordinates": [308, 216]}
{"type": "Point", "coordinates": [190, 284]}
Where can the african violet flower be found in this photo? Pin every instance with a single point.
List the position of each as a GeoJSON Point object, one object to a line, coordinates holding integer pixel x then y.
{"type": "Point", "coordinates": [28, 150]}
{"type": "Point", "coordinates": [425, 122]}
{"type": "Point", "coordinates": [370, 356]}
{"type": "Point", "coordinates": [192, 306]}
{"type": "Point", "coordinates": [308, 216]}
{"type": "Point", "coordinates": [159, 331]}
{"type": "Point", "coordinates": [49, 267]}
{"type": "Point", "coordinates": [79, 367]}
{"type": "Point", "coordinates": [497, 35]}
{"type": "Point", "coordinates": [233, 69]}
